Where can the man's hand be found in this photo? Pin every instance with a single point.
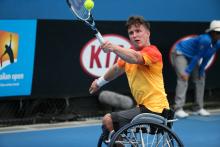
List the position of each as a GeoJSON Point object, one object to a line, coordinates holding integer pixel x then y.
{"type": "Point", "coordinates": [201, 74]}
{"type": "Point", "coordinates": [107, 47]}
{"type": "Point", "coordinates": [94, 87]}
{"type": "Point", "coordinates": [184, 76]}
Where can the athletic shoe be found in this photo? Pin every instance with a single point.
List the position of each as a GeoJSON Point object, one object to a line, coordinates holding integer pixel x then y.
{"type": "Point", "coordinates": [181, 113]}
{"type": "Point", "coordinates": [202, 112]}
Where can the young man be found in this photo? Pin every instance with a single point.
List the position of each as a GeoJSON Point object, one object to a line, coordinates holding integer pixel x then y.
{"type": "Point", "coordinates": [143, 67]}
{"type": "Point", "coordinates": [186, 57]}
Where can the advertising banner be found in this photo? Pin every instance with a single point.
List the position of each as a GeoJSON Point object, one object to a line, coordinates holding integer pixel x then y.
{"type": "Point", "coordinates": [17, 46]}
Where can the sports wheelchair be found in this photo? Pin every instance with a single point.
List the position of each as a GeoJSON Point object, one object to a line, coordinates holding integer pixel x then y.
{"type": "Point", "coordinates": [145, 129]}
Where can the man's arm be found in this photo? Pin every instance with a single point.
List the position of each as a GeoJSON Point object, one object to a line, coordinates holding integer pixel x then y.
{"type": "Point", "coordinates": [194, 61]}
{"type": "Point", "coordinates": [10, 40]}
{"type": "Point", "coordinates": [112, 73]}
{"type": "Point", "coordinates": [128, 55]}
{"type": "Point", "coordinates": [205, 61]}
{"type": "Point", "coordinates": [192, 64]}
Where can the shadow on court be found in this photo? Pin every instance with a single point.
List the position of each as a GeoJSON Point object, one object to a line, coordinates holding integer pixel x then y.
{"type": "Point", "coordinates": [194, 131]}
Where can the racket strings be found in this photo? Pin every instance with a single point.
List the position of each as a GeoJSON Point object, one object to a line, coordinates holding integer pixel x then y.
{"type": "Point", "coordinates": [79, 9]}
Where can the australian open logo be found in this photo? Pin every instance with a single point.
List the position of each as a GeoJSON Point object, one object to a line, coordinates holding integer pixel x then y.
{"type": "Point", "coordinates": [8, 48]}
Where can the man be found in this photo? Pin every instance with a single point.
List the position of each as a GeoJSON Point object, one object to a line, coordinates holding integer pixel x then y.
{"type": "Point", "coordinates": [186, 60]}
{"type": "Point", "coordinates": [143, 67]}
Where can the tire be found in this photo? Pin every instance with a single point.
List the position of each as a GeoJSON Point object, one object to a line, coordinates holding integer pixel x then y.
{"type": "Point", "coordinates": [153, 134]}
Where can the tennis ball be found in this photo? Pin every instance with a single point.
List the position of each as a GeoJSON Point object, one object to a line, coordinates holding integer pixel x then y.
{"type": "Point", "coordinates": [89, 4]}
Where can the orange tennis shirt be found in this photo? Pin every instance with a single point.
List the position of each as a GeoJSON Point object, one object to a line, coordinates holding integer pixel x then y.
{"type": "Point", "coordinates": [146, 81]}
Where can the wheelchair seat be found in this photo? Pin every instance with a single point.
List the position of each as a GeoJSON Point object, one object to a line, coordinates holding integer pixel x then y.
{"type": "Point", "coordinates": [149, 117]}
{"type": "Point", "coordinates": [166, 118]}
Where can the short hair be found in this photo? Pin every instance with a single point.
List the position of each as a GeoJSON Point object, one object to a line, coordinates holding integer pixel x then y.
{"type": "Point", "coordinates": [137, 20]}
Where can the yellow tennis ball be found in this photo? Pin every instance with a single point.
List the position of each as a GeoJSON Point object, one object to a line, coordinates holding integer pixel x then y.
{"type": "Point", "coordinates": [89, 4]}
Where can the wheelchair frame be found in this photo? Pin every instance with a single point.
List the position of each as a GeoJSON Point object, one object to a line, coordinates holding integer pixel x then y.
{"type": "Point", "coordinates": [145, 129]}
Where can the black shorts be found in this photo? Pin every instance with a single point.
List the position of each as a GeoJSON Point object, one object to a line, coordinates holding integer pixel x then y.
{"type": "Point", "coordinates": [122, 118]}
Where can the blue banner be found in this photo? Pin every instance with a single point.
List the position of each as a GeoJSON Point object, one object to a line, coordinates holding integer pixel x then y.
{"type": "Point", "coordinates": [17, 46]}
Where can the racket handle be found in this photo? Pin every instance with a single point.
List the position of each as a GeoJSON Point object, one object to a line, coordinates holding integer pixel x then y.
{"type": "Point", "coordinates": [101, 40]}
{"type": "Point", "coordinates": [99, 37]}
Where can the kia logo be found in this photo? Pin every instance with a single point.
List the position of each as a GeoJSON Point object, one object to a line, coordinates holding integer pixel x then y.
{"type": "Point", "coordinates": [94, 61]}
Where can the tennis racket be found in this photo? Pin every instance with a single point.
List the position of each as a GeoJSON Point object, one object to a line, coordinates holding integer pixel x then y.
{"type": "Point", "coordinates": [78, 9]}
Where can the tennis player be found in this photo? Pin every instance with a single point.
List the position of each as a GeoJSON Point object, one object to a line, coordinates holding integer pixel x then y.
{"type": "Point", "coordinates": [143, 66]}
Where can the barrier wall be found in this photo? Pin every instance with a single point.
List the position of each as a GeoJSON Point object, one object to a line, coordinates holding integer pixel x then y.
{"type": "Point", "coordinates": [60, 69]}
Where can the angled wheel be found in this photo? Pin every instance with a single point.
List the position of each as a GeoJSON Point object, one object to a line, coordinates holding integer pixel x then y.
{"type": "Point", "coordinates": [144, 134]}
{"type": "Point", "coordinates": [101, 142]}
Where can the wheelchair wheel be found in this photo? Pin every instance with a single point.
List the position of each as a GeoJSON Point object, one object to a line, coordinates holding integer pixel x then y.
{"type": "Point", "coordinates": [105, 138]}
{"type": "Point", "coordinates": [101, 142]}
{"type": "Point", "coordinates": [144, 134]}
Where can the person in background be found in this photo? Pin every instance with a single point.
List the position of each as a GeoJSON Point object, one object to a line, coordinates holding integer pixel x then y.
{"type": "Point", "coordinates": [186, 59]}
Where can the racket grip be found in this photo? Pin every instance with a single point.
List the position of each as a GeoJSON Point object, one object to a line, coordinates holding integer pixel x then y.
{"type": "Point", "coordinates": [101, 40]}
{"type": "Point", "coordinates": [99, 37]}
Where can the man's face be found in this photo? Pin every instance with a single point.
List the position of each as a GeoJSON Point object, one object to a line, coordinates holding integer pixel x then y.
{"type": "Point", "coordinates": [139, 36]}
{"type": "Point", "coordinates": [215, 36]}
{"type": "Point", "coordinates": [218, 35]}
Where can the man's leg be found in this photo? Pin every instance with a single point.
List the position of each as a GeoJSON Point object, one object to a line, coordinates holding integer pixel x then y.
{"type": "Point", "coordinates": [116, 120]}
{"type": "Point", "coordinates": [107, 127]}
{"type": "Point", "coordinates": [199, 93]}
{"type": "Point", "coordinates": [180, 96]}
{"type": "Point", "coordinates": [199, 88]}
{"type": "Point", "coordinates": [112, 122]}
{"type": "Point", "coordinates": [182, 85]}
{"type": "Point", "coordinates": [180, 63]}
{"type": "Point", "coordinates": [107, 122]}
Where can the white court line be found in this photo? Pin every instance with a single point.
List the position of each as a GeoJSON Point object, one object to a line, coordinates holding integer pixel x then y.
{"type": "Point", "coordinates": [44, 127]}
{"type": "Point", "coordinates": [205, 118]}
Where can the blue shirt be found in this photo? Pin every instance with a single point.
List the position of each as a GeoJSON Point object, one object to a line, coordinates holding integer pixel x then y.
{"type": "Point", "coordinates": [196, 48]}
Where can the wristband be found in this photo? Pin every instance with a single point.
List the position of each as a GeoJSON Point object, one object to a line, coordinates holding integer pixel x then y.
{"type": "Point", "coordinates": [101, 81]}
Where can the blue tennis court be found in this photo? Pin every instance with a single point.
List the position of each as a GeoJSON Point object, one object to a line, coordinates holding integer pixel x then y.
{"type": "Point", "coordinates": [194, 131]}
